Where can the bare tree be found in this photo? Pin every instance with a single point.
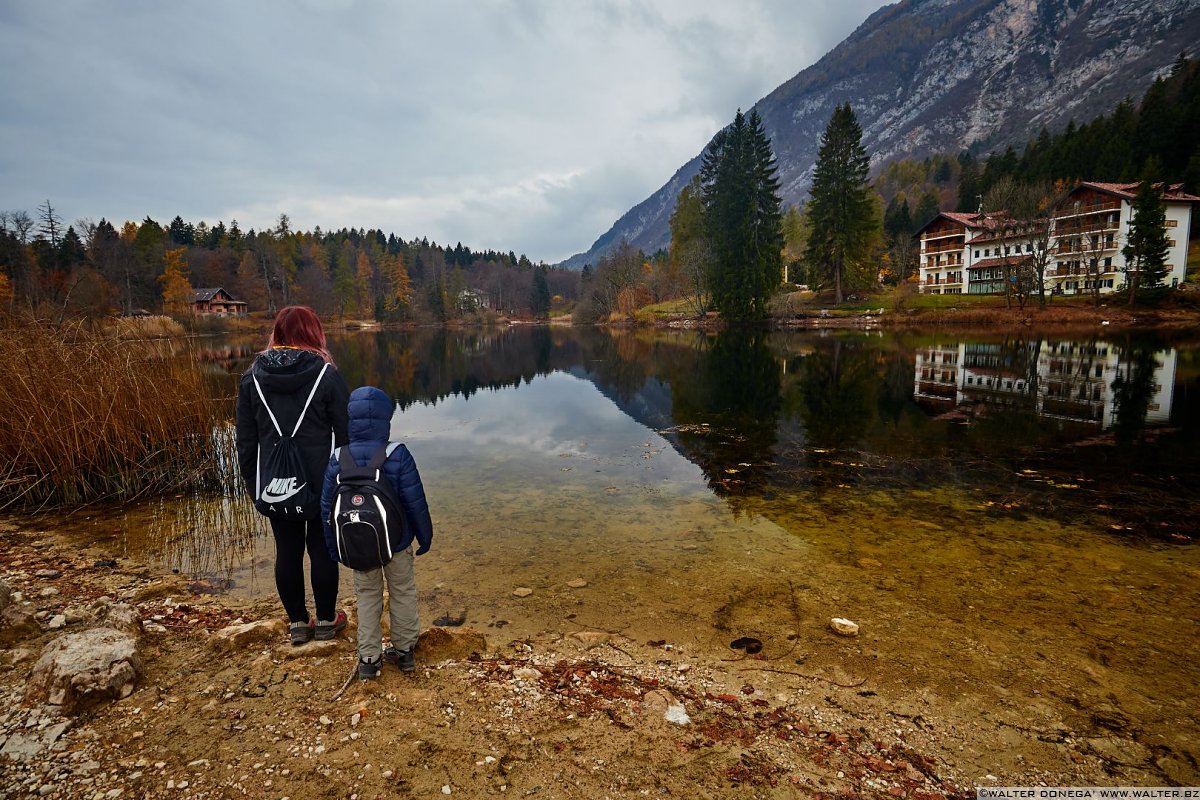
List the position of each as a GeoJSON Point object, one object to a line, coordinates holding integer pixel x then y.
{"type": "Point", "coordinates": [51, 226]}
{"type": "Point", "coordinates": [21, 224]}
{"type": "Point", "coordinates": [1021, 216]}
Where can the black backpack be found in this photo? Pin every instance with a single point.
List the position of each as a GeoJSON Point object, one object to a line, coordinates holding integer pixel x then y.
{"type": "Point", "coordinates": [367, 517]}
{"type": "Point", "coordinates": [284, 490]}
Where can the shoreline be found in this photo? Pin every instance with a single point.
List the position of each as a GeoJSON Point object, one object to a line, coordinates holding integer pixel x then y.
{"type": "Point", "coordinates": [562, 710]}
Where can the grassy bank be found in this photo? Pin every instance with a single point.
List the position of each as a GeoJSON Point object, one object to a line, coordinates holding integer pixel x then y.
{"type": "Point", "coordinates": [89, 413]}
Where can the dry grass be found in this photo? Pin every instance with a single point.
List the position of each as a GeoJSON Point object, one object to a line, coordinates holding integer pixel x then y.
{"type": "Point", "coordinates": [86, 415]}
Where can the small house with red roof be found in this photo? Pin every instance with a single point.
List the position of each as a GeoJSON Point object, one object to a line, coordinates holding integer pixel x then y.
{"type": "Point", "coordinates": [218, 302]}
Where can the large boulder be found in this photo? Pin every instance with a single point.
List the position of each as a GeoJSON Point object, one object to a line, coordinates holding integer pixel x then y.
{"type": "Point", "coordinates": [82, 669]}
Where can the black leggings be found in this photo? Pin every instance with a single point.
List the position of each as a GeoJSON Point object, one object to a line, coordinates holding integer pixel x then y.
{"type": "Point", "coordinates": [291, 540]}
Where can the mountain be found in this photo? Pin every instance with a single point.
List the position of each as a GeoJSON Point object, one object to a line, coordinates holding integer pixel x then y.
{"type": "Point", "coordinates": [926, 76]}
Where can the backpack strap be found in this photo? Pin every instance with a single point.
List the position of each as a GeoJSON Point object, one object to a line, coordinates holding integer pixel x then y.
{"type": "Point", "coordinates": [381, 455]}
{"type": "Point", "coordinates": [303, 411]}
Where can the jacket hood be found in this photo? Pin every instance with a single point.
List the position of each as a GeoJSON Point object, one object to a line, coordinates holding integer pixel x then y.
{"type": "Point", "coordinates": [370, 412]}
{"type": "Point", "coordinates": [286, 369]}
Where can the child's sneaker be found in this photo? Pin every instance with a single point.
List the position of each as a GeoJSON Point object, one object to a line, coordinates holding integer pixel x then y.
{"type": "Point", "coordinates": [402, 659]}
{"type": "Point", "coordinates": [327, 629]}
{"type": "Point", "coordinates": [301, 632]}
{"type": "Point", "coordinates": [368, 670]}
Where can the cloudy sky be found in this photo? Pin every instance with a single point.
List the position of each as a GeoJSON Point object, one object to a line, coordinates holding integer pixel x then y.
{"type": "Point", "coordinates": [526, 125]}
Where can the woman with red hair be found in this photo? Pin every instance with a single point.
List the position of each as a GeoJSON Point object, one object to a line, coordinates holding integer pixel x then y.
{"type": "Point", "coordinates": [291, 413]}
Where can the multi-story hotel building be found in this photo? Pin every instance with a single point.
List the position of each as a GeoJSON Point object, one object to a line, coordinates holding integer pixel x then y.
{"type": "Point", "coordinates": [969, 253]}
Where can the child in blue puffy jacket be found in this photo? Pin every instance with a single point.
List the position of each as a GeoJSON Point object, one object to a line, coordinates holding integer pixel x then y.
{"type": "Point", "coordinates": [370, 424]}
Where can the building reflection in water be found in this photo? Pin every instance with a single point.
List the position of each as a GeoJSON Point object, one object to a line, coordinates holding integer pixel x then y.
{"type": "Point", "coordinates": [1081, 382]}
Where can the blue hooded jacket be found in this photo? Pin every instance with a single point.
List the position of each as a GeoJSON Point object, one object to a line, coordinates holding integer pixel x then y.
{"type": "Point", "coordinates": [370, 413]}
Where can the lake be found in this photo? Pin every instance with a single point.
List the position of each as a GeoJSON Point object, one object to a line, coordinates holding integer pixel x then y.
{"type": "Point", "coordinates": [1011, 519]}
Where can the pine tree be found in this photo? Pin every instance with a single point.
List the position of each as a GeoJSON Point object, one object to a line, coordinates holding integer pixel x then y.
{"type": "Point", "coordinates": [843, 213]}
{"type": "Point", "coordinates": [1146, 250]}
{"type": "Point", "coordinates": [740, 192]}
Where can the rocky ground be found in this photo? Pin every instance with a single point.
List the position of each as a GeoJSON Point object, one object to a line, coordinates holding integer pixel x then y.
{"type": "Point", "coordinates": [118, 681]}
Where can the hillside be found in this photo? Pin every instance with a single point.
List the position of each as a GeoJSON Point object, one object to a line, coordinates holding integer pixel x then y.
{"type": "Point", "coordinates": [926, 76]}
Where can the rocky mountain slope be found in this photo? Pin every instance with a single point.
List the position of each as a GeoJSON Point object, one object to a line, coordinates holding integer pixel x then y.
{"type": "Point", "coordinates": [925, 76]}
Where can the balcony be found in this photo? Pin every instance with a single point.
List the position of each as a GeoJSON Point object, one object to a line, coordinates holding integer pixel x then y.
{"type": "Point", "coordinates": [1089, 208]}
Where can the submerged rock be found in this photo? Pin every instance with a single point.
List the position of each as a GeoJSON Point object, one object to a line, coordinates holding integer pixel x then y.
{"type": "Point", "coordinates": [452, 619]}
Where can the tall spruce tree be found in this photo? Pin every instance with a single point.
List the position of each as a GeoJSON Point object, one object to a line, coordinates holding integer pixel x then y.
{"type": "Point", "coordinates": [1146, 250]}
{"type": "Point", "coordinates": [843, 213]}
{"type": "Point", "coordinates": [740, 191]}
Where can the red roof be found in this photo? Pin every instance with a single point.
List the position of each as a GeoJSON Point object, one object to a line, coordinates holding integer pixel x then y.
{"type": "Point", "coordinates": [1172, 192]}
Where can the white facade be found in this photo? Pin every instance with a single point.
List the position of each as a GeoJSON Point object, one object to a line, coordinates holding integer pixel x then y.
{"type": "Point", "coordinates": [967, 253]}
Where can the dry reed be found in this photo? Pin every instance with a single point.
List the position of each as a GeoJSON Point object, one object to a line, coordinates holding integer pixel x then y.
{"type": "Point", "coordinates": [85, 416]}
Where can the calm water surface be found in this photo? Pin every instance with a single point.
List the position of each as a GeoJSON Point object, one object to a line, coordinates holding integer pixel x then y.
{"type": "Point", "coordinates": [1010, 520]}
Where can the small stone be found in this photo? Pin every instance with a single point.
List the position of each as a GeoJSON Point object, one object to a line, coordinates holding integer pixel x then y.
{"type": "Point", "coordinates": [843, 627]}
{"type": "Point", "coordinates": [49, 591]}
{"type": "Point", "coordinates": [387, 773]}
{"type": "Point", "coordinates": [682, 668]}
{"type": "Point", "coordinates": [355, 719]}
{"type": "Point", "coordinates": [446, 789]}
{"type": "Point", "coordinates": [527, 674]}
{"type": "Point", "coordinates": [48, 574]}
{"type": "Point", "coordinates": [677, 714]}
{"type": "Point", "coordinates": [57, 621]}
{"type": "Point", "coordinates": [577, 583]}
{"type": "Point", "coordinates": [520, 591]}
{"type": "Point", "coordinates": [326, 721]}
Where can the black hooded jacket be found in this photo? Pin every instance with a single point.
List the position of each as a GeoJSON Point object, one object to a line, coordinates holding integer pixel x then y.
{"type": "Point", "coordinates": [286, 375]}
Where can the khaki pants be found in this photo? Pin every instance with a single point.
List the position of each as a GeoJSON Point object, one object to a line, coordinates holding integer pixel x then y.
{"type": "Point", "coordinates": [402, 605]}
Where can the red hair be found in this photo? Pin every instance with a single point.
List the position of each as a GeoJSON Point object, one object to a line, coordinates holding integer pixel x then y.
{"type": "Point", "coordinates": [299, 326]}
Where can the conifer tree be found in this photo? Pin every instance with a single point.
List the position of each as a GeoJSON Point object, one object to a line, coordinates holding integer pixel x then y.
{"type": "Point", "coordinates": [842, 210]}
{"type": "Point", "coordinates": [740, 191]}
{"type": "Point", "coordinates": [1146, 250]}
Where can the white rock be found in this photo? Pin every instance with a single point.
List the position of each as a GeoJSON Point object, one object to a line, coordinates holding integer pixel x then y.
{"type": "Point", "coordinates": [520, 591]}
{"type": "Point", "coordinates": [843, 626]}
{"type": "Point", "coordinates": [326, 721]}
{"type": "Point", "coordinates": [446, 789]}
{"type": "Point", "coordinates": [57, 621]}
{"type": "Point", "coordinates": [677, 714]}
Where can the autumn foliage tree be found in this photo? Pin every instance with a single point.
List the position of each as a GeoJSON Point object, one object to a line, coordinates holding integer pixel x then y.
{"type": "Point", "coordinates": [177, 290]}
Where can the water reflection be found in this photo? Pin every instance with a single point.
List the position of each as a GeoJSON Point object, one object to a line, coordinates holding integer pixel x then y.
{"type": "Point", "coordinates": [772, 414]}
{"type": "Point", "coordinates": [1094, 383]}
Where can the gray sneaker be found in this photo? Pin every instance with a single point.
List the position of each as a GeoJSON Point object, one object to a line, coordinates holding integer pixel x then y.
{"type": "Point", "coordinates": [302, 632]}
{"type": "Point", "coordinates": [368, 670]}
{"type": "Point", "coordinates": [327, 629]}
{"type": "Point", "coordinates": [401, 659]}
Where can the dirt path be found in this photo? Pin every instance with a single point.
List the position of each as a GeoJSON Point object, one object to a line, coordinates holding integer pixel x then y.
{"type": "Point", "coordinates": [583, 713]}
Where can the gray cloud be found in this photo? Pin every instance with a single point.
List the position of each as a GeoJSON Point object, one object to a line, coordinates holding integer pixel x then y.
{"type": "Point", "coordinates": [517, 125]}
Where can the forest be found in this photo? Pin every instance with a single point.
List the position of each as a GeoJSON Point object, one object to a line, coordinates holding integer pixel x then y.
{"type": "Point", "coordinates": [52, 270]}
